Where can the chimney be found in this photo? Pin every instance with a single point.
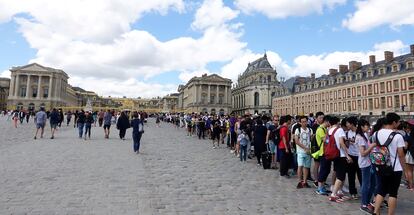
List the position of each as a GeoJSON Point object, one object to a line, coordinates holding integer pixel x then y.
{"type": "Point", "coordinates": [313, 76]}
{"type": "Point", "coordinates": [354, 65]}
{"type": "Point", "coordinates": [343, 68]}
{"type": "Point", "coordinates": [389, 56]}
{"type": "Point", "coordinates": [333, 72]}
{"type": "Point", "coordinates": [412, 49]}
{"type": "Point", "coordinates": [372, 59]}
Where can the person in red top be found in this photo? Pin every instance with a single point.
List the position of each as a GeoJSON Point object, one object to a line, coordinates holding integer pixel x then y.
{"type": "Point", "coordinates": [284, 146]}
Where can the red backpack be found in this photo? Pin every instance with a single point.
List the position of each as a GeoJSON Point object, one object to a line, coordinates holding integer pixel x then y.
{"type": "Point", "coordinates": [330, 150]}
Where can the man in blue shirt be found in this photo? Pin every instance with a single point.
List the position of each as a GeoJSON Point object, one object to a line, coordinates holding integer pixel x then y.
{"type": "Point", "coordinates": [40, 120]}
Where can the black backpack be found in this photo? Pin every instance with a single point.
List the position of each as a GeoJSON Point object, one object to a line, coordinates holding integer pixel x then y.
{"type": "Point", "coordinates": [314, 144]}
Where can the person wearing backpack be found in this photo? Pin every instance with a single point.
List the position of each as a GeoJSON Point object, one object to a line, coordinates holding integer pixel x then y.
{"type": "Point", "coordinates": [243, 140]}
{"type": "Point", "coordinates": [409, 157]}
{"type": "Point", "coordinates": [392, 148]}
{"type": "Point", "coordinates": [284, 145]}
{"type": "Point", "coordinates": [353, 168]}
{"type": "Point", "coordinates": [302, 139]}
{"type": "Point", "coordinates": [271, 138]}
{"type": "Point", "coordinates": [315, 146]}
{"type": "Point", "coordinates": [325, 164]}
{"type": "Point", "coordinates": [337, 151]}
{"type": "Point", "coordinates": [368, 175]}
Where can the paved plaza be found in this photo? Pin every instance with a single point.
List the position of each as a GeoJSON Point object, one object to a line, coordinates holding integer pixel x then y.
{"type": "Point", "coordinates": [174, 174]}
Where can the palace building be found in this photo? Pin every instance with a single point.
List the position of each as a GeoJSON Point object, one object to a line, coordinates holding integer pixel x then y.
{"type": "Point", "coordinates": [33, 86]}
{"type": "Point", "coordinates": [255, 88]}
{"type": "Point", "coordinates": [208, 93]}
{"type": "Point", "coordinates": [372, 89]}
{"type": "Point", "coordinates": [4, 92]}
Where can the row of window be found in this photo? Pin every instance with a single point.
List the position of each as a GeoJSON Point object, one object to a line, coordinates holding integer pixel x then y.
{"type": "Point", "coordinates": [396, 102]}
{"type": "Point", "coordinates": [23, 91]}
{"type": "Point", "coordinates": [350, 77]}
{"type": "Point", "coordinates": [352, 92]}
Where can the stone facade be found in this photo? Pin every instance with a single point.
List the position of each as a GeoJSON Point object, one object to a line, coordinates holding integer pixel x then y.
{"type": "Point", "coordinates": [4, 92]}
{"type": "Point", "coordinates": [255, 88]}
{"type": "Point", "coordinates": [371, 89]}
{"type": "Point", "coordinates": [208, 93]}
{"type": "Point", "coordinates": [34, 85]}
{"type": "Point", "coordinates": [169, 103]}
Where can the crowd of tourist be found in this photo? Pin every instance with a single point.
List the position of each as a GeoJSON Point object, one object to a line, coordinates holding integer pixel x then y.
{"type": "Point", "coordinates": [83, 121]}
{"type": "Point", "coordinates": [316, 146]}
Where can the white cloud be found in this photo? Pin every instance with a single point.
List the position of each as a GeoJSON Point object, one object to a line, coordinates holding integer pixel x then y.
{"type": "Point", "coordinates": [320, 64]}
{"type": "Point", "coordinates": [130, 87]}
{"type": "Point", "coordinates": [5, 74]}
{"type": "Point", "coordinates": [374, 13]}
{"type": "Point", "coordinates": [94, 39]}
{"type": "Point", "coordinates": [285, 8]}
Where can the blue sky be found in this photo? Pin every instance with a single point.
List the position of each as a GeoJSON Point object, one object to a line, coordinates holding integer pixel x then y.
{"type": "Point", "coordinates": [171, 39]}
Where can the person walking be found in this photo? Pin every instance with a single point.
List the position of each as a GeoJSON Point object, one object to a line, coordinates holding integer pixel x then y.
{"type": "Point", "coordinates": [54, 120]}
{"type": "Point", "coordinates": [101, 115]}
{"type": "Point", "coordinates": [15, 117]}
{"type": "Point", "coordinates": [61, 117]}
{"type": "Point", "coordinates": [40, 119]}
{"type": "Point", "coordinates": [122, 125]}
{"type": "Point", "coordinates": [22, 115]}
{"type": "Point", "coordinates": [81, 122]}
{"type": "Point", "coordinates": [107, 123]}
{"type": "Point", "coordinates": [28, 116]}
{"type": "Point", "coordinates": [137, 130]}
{"type": "Point", "coordinates": [88, 124]}
{"type": "Point", "coordinates": [68, 118]}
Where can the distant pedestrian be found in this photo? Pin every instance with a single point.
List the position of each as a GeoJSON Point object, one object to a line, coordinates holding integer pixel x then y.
{"type": "Point", "coordinates": [15, 117]}
{"type": "Point", "coordinates": [243, 140]}
{"type": "Point", "coordinates": [259, 139]}
{"type": "Point", "coordinates": [81, 119]}
{"type": "Point", "coordinates": [107, 123]}
{"type": "Point", "coordinates": [88, 124]}
{"type": "Point", "coordinates": [54, 120]}
{"type": "Point", "coordinates": [22, 115]}
{"type": "Point", "coordinates": [28, 117]}
{"type": "Point", "coordinates": [137, 131]}
{"type": "Point", "coordinates": [68, 118]}
{"type": "Point", "coordinates": [40, 119]}
{"type": "Point", "coordinates": [61, 118]}
{"type": "Point", "coordinates": [122, 125]}
{"type": "Point", "coordinates": [157, 121]}
{"type": "Point", "coordinates": [101, 117]}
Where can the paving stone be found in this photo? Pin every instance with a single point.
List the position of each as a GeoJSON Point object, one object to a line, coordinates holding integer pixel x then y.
{"type": "Point", "coordinates": [174, 174]}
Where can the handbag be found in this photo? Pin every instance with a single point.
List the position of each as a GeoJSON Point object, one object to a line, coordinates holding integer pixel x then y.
{"type": "Point", "coordinates": [141, 128]}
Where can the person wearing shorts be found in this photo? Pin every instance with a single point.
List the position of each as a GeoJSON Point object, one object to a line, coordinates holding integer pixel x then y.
{"type": "Point", "coordinates": [302, 140]}
{"type": "Point", "coordinates": [107, 123]}
{"type": "Point", "coordinates": [391, 183]}
{"type": "Point", "coordinates": [40, 119]}
{"type": "Point", "coordinates": [216, 132]}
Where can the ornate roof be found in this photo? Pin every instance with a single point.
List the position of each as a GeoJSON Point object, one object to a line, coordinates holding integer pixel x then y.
{"type": "Point", "coordinates": [259, 64]}
{"type": "Point", "coordinates": [33, 67]}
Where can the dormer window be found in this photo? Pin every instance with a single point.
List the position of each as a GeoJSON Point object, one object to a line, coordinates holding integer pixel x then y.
{"type": "Point", "coordinates": [349, 78]}
{"type": "Point", "coordinates": [382, 71]}
{"type": "Point", "coordinates": [316, 85]}
{"type": "Point", "coordinates": [395, 68]}
{"type": "Point", "coordinates": [410, 65]}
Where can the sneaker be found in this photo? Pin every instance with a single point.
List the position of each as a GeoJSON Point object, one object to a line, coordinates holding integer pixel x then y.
{"type": "Point", "coordinates": [315, 184]}
{"type": "Point", "coordinates": [231, 151]}
{"type": "Point", "coordinates": [35, 138]}
{"type": "Point", "coordinates": [322, 192]}
{"type": "Point", "coordinates": [214, 147]}
{"type": "Point", "coordinates": [238, 155]}
{"type": "Point", "coordinates": [333, 198]}
{"type": "Point", "coordinates": [366, 209]}
{"type": "Point", "coordinates": [300, 185]}
{"type": "Point", "coordinates": [385, 204]}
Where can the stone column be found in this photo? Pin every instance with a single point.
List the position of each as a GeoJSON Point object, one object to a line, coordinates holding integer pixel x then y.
{"type": "Point", "coordinates": [196, 94]}
{"type": "Point", "coordinates": [208, 94]}
{"type": "Point", "coordinates": [50, 87]}
{"type": "Point", "coordinates": [217, 93]}
{"type": "Point", "coordinates": [200, 88]}
{"type": "Point", "coordinates": [225, 95]}
{"type": "Point", "coordinates": [16, 87]}
{"type": "Point", "coordinates": [11, 90]}
{"type": "Point", "coordinates": [39, 86]}
{"type": "Point", "coordinates": [27, 86]}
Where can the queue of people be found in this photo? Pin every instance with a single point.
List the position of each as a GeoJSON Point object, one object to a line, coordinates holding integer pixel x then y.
{"type": "Point", "coordinates": [379, 156]}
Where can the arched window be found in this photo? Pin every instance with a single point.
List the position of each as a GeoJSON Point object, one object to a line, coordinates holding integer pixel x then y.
{"type": "Point", "coordinates": [19, 106]}
{"type": "Point", "coordinates": [256, 99]}
{"type": "Point", "coordinates": [31, 107]}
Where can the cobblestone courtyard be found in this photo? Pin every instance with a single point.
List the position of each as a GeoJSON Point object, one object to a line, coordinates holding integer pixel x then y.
{"type": "Point", "coordinates": [174, 174]}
